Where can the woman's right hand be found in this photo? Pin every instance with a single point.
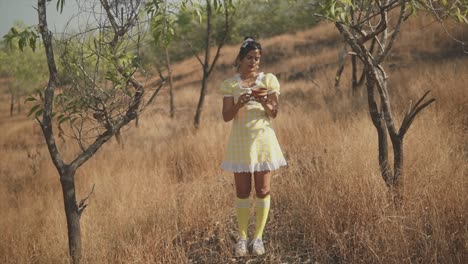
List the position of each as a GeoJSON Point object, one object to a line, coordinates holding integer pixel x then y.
{"type": "Point", "coordinates": [243, 99]}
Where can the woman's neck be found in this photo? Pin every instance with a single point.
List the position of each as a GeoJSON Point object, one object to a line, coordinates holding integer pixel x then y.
{"type": "Point", "coordinates": [248, 75]}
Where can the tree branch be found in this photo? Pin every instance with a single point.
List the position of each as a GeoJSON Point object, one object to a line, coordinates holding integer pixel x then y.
{"type": "Point", "coordinates": [388, 7]}
{"type": "Point", "coordinates": [206, 64]}
{"type": "Point", "coordinates": [91, 149]}
{"type": "Point", "coordinates": [412, 112]}
{"type": "Point", "coordinates": [226, 30]}
{"type": "Point", "coordinates": [111, 17]}
{"type": "Point", "coordinates": [395, 32]}
{"type": "Point", "coordinates": [46, 123]}
{"type": "Point", "coordinates": [380, 27]}
{"type": "Point", "coordinates": [441, 21]}
{"type": "Point", "coordinates": [132, 111]}
{"type": "Point", "coordinates": [381, 83]}
{"type": "Point", "coordinates": [82, 205]}
{"type": "Point", "coordinates": [153, 96]}
{"type": "Point", "coordinates": [193, 52]}
{"type": "Point", "coordinates": [339, 71]}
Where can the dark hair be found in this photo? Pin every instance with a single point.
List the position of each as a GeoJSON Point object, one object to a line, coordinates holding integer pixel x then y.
{"type": "Point", "coordinates": [248, 45]}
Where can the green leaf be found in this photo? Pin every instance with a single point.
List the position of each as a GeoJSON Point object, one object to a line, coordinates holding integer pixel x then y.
{"type": "Point", "coordinates": [460, 17]}
{"type": "Point", "coordinates": [63, 120]}
{"type": "Point", "coordinates": [60, 5]}
{"type": "Point", "coordinates": [332, 10]}
{"type": "Point", "coordinates": [25, 37]}
{"type": "Point", "coordinates": [41, 94]}
{"type": "Point", "coordinates": [29, 99]}
{"type": "Point", "coordinates": [343, 17]}
{"type": "Point", "coordinates": [34, 109]}
{"type": "Point", "coordinates": [199, 15]}
{"type": "Point", "coordinates": [38, 113]}
{"type": "Point", "coordinates": [32, 43]}
{"type": "Point", "coordinates": [21, 43]}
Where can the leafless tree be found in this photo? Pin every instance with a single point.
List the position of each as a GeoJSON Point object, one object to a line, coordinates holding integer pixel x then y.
{"type": "Point", "coordinates": [370, 22]}
{"type": "Point", "coordinates": [362, 21]}
{"type": "Point", "coordinates": [208, 64]}
{"type": "Point", "coordinates": [382, 117]}
{"type": "Point", "coordinates": [171, 86]}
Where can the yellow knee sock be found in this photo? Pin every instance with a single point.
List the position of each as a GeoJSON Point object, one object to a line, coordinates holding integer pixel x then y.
{"type": "Point", "coordinates": [262, 209]}
{"type": "Point", "coordinates": [243, 210]}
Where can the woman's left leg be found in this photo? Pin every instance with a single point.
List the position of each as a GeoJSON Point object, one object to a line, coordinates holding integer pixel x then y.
{"type": "Point", "coordinates": [262, 189]}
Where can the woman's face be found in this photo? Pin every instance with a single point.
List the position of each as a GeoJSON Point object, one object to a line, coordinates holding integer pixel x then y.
{"type": "Point", "coordinates": [250, 62]}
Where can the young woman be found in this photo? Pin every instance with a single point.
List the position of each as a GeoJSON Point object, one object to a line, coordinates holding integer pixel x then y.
{"type": "Point", "coordinates": [252, 147]}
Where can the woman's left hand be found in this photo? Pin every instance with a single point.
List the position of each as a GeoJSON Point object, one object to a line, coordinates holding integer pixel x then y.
{"type": "Point", "coordinates": [263, 100]}
{"type": "Point", "coordinates": [270, 104]}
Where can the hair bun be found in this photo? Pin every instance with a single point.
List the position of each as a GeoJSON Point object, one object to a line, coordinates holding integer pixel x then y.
{"type": "Point", "coordinates": [246, 42]}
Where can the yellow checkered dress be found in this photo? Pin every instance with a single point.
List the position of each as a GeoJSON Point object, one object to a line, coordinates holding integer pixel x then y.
{"type": "Point", "coordinates": [252, 144]}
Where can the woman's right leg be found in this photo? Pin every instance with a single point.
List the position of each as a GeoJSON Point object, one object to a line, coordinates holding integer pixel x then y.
{"type": "Point", "coordinates": [243, 183]}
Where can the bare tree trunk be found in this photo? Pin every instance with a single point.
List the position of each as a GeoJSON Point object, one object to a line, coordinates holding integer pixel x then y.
{"type": "Point", "coordinates": [397, 181]}
{"type": "Point", "coordinates": [341, 63]}
{"type": "Point", "coordinates": [18, 102]}
{"type": "Point", "coordinates": [354, 81]}
{"type": "Point", "coordinates": [66, 173]}
{"type": "Point", "coordinates": [379, 124]}
{"type": "Point", "coordinates": [205, 65]}
{"type": "Point", "coordinates": [202, 99]}
{"type": "Point", "coordinates": [382, 116]}
{"type": "Point", "coordinates": [67, 180]}
{"type": "Point", "coordinates": [171, 92]}
{"type": "Point", "coordinates": [12, 104]}
{"type": "Point", "coordinates": [354, 84]}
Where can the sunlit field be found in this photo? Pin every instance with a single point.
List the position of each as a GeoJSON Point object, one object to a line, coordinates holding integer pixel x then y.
{"type": "Point", "coordinates": [162, 198]}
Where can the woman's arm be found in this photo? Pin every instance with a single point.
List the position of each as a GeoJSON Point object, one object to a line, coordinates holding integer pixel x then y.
{"type": "Point", "coordinates": [270, 104]}
{"type": "Point", "coordinates": [230, 108]}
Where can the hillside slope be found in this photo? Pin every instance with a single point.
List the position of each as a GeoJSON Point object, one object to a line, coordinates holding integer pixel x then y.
{"type": "Point", "coordinates": [163, 199]}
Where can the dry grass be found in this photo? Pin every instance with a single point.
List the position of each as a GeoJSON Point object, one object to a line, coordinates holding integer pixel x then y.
{"type": "Point", "coordinates": [163, 198]}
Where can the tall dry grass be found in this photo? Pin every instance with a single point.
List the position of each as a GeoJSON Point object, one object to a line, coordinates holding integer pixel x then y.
{"type": "Point", "coordinates": [163, 198]}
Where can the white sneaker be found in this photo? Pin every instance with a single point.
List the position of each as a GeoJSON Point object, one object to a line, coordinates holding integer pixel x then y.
{"type": "Point", "coordinates": [257, 247]}
{"type": "Point", "coordinates": [241, 249]}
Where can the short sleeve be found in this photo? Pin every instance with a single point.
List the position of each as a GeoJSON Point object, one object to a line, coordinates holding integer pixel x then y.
{"type": "Point", "coordinates": [272, 84]}
{"type": "Point", "coordinates": [227, 88]}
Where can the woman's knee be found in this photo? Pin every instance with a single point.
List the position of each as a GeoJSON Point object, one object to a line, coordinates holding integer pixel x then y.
{"type": "Point", "coordinates": [262, 191]}
{"type": "Point", "coordinates": [243, 185]}
{"type": "Point", "coordinates": [243, 191]}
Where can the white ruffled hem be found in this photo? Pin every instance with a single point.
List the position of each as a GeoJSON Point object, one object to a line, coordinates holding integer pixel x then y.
{"type": "Point", "coordinates": [262, 166]}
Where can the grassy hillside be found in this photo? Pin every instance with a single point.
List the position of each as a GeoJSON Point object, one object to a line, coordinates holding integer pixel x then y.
{"type": "Point", "coordinates": [163, 198]}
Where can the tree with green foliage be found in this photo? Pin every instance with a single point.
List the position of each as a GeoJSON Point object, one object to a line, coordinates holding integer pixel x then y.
{"type": "Point", "coordinates": [198, 35]}
{"type": "Point", "coordinates": [103, 95]}
{"type": "Point", "coordinates": [24, 69]}
{"type": "Point", "coordinates": [361, 22]}
{"type": "Point", "coordinates": [262, 19]}
{"type": "Point", "coordinates": [163, 14]}
{"type": "Point", "coordinates": [225, 7]}
{"type": "Point", "coordinates": [259, 19]}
